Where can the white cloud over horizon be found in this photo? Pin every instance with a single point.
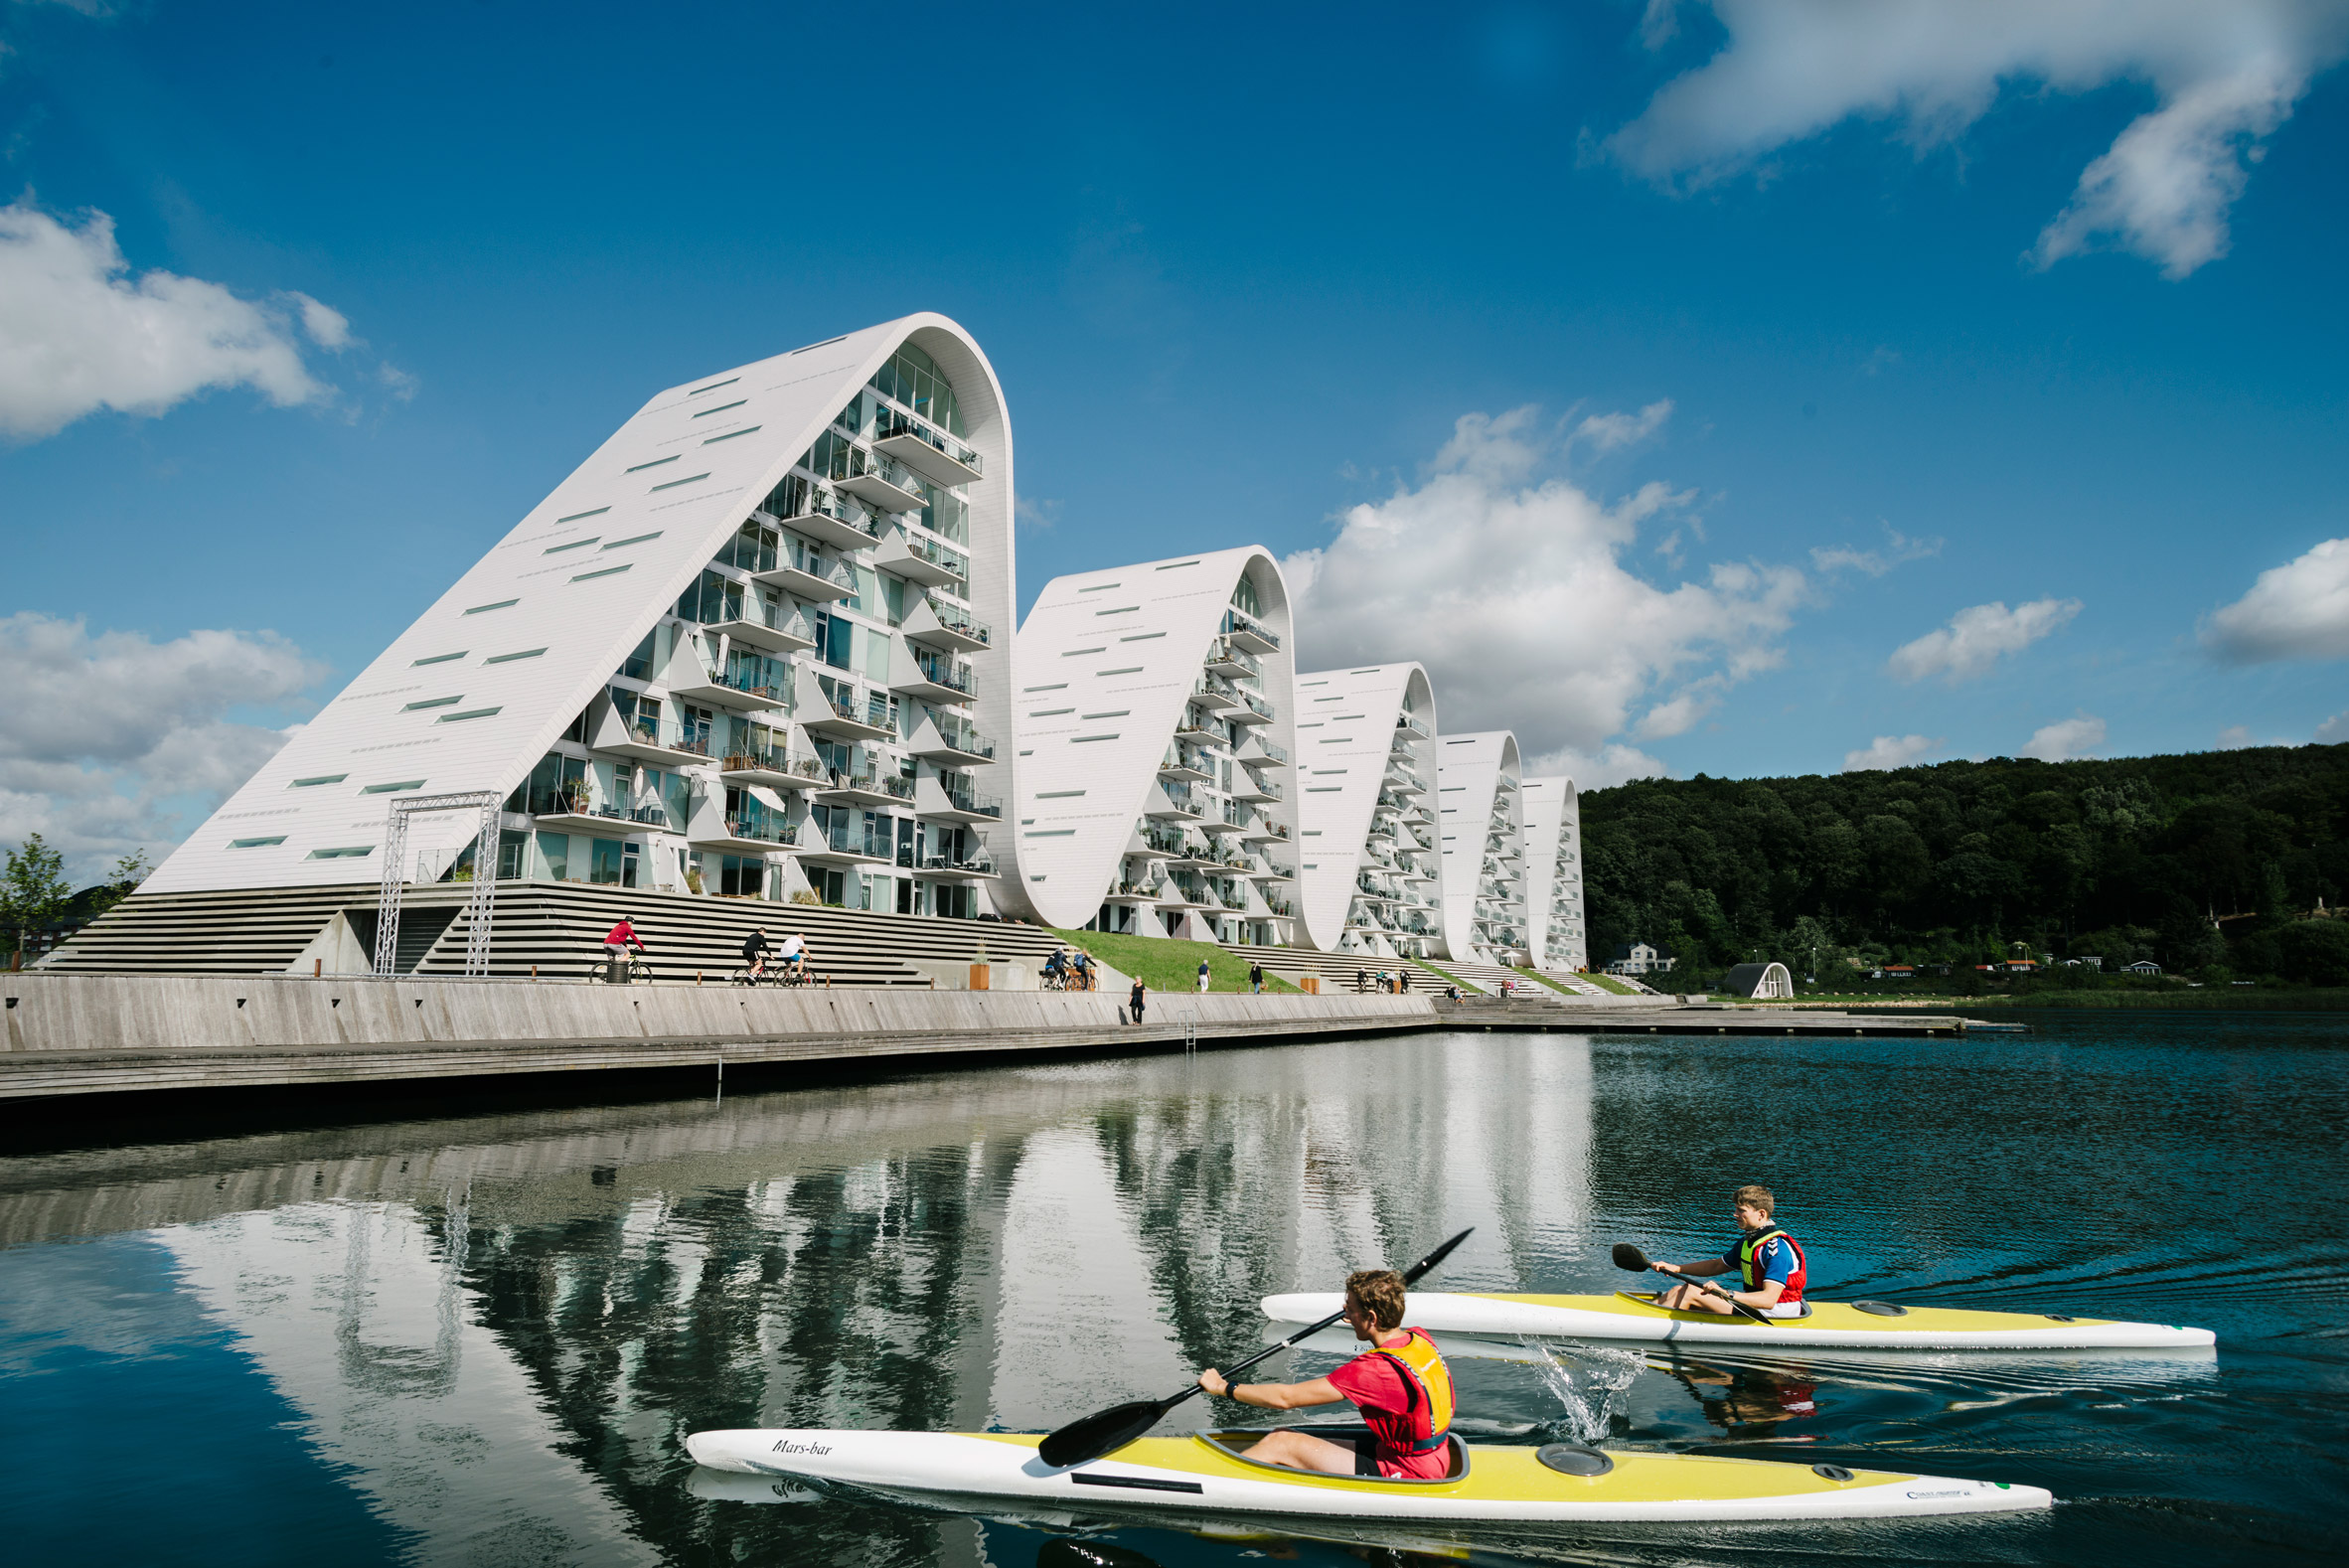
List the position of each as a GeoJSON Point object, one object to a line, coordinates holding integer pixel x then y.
{"type": "Point", "coordinates": [2299, 610]}
{"type": "Point", "coordinates": [1976, 637]}
{"type": "Point", "coordinates": [79, 333]}
{"type": "Point", "coordinates": [1510, 588]}
{"type": "Point", "coordinates": [2065, 740]}
{"type": "Point", "coordinates": [1887, 752]}
{"type": "Point", "coordinates": [112, 743]}
{"type": "Point", "coordinates": [2224, 79]}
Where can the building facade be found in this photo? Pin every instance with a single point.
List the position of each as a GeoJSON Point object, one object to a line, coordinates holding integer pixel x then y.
{"type": "Point", "coordinates": [1155, 727]}
{"type": "Point", "coordinates": [1555, 929]}
{"type": "Point", "coordinates": [1370, 872]}
{"type": "Point", "coordinates": [756, 645]}
{"type": "Point", "coordinates": [1482, 823]}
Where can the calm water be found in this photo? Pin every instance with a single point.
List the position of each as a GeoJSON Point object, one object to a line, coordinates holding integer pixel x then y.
{"type": "Point", "coordinates": [478, 1337]}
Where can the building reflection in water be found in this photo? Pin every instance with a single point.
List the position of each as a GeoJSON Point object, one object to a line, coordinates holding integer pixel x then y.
{"type": "Point", "coordinates": [501, 1326]}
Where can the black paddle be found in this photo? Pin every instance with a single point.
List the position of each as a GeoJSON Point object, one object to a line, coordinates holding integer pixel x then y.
{"type": "Point", "coordinates": [1632, 1258]}
{"type": "Point", "coordinates": [1095, 1435]}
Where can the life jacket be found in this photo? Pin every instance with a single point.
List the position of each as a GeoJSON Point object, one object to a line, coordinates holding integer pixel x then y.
{"type": "Point", "coordinates": [1427, 1383]}
{"type": "Point", "coordinates": [1749, 1263]}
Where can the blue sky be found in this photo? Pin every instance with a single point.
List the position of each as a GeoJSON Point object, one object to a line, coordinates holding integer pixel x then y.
{"type": "Point", "coordinates": [1243, 273]}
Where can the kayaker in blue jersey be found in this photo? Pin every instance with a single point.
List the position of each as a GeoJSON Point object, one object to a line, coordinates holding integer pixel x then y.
{"type": "Point", "coordinates": [1400, 1384]}
{"type": "Point", "coordinates": [1769, 1264]}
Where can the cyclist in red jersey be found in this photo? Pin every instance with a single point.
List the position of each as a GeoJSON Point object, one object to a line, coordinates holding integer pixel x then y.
{"type": "Point", "coordinates": [1400, 1386]}
{"type": "Point", "coordinates": [620, 938]}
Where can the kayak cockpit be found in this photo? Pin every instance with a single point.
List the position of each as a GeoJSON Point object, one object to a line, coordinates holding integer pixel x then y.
{"type": "Point", "coordinates": [1346, 1434]}
{"type": "Point", "coordinates": [1650, 1300]}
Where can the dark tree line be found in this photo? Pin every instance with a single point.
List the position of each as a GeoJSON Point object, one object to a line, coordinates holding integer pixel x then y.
{"type": "Point", "coordinates": [2211, 862]}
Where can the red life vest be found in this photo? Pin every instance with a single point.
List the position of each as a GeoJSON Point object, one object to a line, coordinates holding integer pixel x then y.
{"type": "Point", "coordinates": [1424, 1425]}
{"type": "Point", "coordinates": [1749, 1264]}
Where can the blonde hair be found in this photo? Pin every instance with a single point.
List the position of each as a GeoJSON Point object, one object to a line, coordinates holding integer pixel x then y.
{"type": "Point", "coordinates": [1754, 1196]}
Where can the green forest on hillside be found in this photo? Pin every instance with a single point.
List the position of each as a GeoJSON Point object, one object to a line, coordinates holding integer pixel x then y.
{"type": "Point", "coordinates": [2211, 864]}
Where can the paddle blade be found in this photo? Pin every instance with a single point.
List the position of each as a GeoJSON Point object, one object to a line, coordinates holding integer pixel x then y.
{"type": "Point", "coordinates": [1411, 1275]}
{"type": "Point", "coordinates": [1096, 1434]}
{"type": "Point", "coordinates": [1629, 1257]}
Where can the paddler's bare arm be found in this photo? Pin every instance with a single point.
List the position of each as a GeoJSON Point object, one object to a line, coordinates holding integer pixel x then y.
{"type": "Point", "coordinates": [1705, 1270]}
{"type": "Point", "coordinates": [1272, 1396]}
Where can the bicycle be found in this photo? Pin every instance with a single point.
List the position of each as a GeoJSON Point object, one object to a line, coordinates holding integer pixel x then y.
{"type": "Point", "coordinates": [637, 970]}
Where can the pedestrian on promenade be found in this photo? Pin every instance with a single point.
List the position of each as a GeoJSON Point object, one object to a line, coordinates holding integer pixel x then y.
{"type": "Point", "coordinates": [1255, 978]}
{"type": "Point", "coordinates": [1134, 1001]}
{"type": "Point", "coordinates": [1203, 975]}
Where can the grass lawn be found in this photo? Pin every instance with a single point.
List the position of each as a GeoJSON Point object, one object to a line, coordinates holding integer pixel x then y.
{"type": "Point", "coordinates": [1610, 982]}
{"type": "Point", "coordinates": [1163, 964]}
{"type": "Point", "coordinates": [1465, 988]}
{"type": "Point", "coordinates": [1540, 978]}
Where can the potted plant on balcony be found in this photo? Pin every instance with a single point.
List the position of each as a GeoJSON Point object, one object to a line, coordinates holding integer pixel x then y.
{"type": "Point", "coordinates": [574, 796]}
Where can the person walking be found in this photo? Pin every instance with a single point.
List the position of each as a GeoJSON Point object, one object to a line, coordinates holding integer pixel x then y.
{"type": "Point", "coordinates": [1134, 1001]}
{"type": "Point", "coordinates": [1255, 978]}
{"type": "Point", "coordinates": [1203, 975]}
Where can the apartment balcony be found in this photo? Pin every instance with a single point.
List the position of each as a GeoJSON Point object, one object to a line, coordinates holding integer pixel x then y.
{"type": "Point", "coordinates": [940, 623]}
{"type": "Point", "coordinates": [1263, 752]}
{"type": "Point", "coordinates": [1253, 710]}
{"type": "Point", "coordinates": [808, 575]}
{"type": "Point", "coordinates": [710, 827]}
{"type": "Point", "coordinates": [1405, 724]}
{"type": "Point", "coordinates": [1403, 786]}
{"type": "Point", "coordinates": [950, 739]}
{"type": "Point", "coordinates": [1251, 788]}
{"type": "Point", "coordinates": [1199, 729]}
{"type": "Point", "coordinates": [966, 868]}
{"type": "Point", "coordinates": [1228, 659]}
{"type": "Point", "coordinates": [845, 847]}
{"type": "Point", "coordinates": [868, 717]}
{"type": "Point", "coordinates": [937, 680]}
{"type": "Point", "coordinates": [876, 481]}
{"type": "Point", "coordinates": [690, 680]}
{"type": "Point", "coordinates": [827, 521]}
{"type": "Point", "coordinates": [1215, 695]}
{"type": "Point", "coordinates": [926, 449]}
{"type": "Point", "coordinates": [1228, 819]}
{"type": "Point", "coordinates": [1156, 843]}
{"type": "Point", "coordinates": [773, 768]}
{"type": "Point", "coordinates": [1180, 802]}
{"type": "Point", "coordinates": [1275, 872]}
{"type": "Point", "coordinates": [1187, 765]}
{"type": "Point", "coordinates": [776, 628]}
{"type": "Point", "coordinates": [647, 739]}
{"type": "Point", "coordinates": [1246, 634]}
{"type": "Point", "coordinates": [1175, 893]}
{"type": "Point", "coordinates": [921, 558]}
{"type": "Point", "coordinates": [1135, 893]}
{"type": "Point", "coordinates": [864, 786]}
{"type": "Point", "coordinates": [606, 820]}
{"type": "Point", "coordinates": [943, 801]}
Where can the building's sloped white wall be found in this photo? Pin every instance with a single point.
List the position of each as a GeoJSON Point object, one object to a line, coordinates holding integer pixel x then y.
{"type": "Point", "coordinates": [1346, 721]}
{"type": "Point", "coordinates": [1470, 770]}
{"type": "Point", "coordinates": [655, 501]}
{"type": "Point", "coordinates": [1105, 660]}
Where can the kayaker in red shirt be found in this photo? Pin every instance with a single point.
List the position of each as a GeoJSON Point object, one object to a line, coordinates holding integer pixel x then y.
{"type": "Point", "coordinates": [1400, 1386]}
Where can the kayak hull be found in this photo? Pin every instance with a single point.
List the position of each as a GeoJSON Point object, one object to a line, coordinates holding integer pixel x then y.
{"type": "Point", "coordinates": [1840, 1325]}
{"type": "Point", "coordinates": [1196, 1474]}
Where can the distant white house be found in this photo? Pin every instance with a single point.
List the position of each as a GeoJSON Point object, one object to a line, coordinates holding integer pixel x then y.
{"type": "Point", "coordinates": [1640, 959]}
{"type": "Point", "coordinates": [2144, 966]}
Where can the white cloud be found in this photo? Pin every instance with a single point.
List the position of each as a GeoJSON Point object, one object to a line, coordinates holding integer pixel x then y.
{"type": "Point", "coordinates": [2223, 77]}
{"type": "Point", "coordinates": [2234, 738]}
{"type": "Point", "coordinates": [1887, 752]}
{"type": "Point", "coordinates": [1511, 589]}
{"type": "Point", "coordinates": [2299, 610]}
{"type": "Point", "coordinates": [2066, 738]}
{"type": "Point", "coordinates": [2333, 730]}
{"type": "Point", "coordinates": [1607, 431]}
{"type": "Point", "coordinates": [1977, 636]}
{"type": "Point", "coordinates": [1898, 547]}
{"type": "Point", "coordinates": [114, 743]}
{"type": "Point", "coordinates": [79, 334]}
{"type": "Point", "coordinates": [1603, 769]}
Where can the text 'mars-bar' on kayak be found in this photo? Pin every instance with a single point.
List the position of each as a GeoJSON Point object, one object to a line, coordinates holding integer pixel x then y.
{"type": "Point", "coordinates": [1873, 1325]}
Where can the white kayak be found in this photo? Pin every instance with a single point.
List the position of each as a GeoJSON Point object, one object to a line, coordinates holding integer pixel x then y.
{"type": "Point", "coordinates": [1210, 1473]}
{"type": "Point", "coordinates": [1843, 1325]}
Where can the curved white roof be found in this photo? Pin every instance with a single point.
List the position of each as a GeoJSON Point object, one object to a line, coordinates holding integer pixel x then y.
{"type": "Point", "coordinates": [1477, 793]}
{"type": "Point", "coordinates": [1554, 875]}
{"type": "Point", "coordinates": [517, 647]}
{"type": "Point", "coordinates": [1354, 739]}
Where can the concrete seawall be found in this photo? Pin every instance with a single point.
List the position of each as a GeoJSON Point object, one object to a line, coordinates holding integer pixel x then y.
{"type": "Point", "coordinates": [91, 1034]}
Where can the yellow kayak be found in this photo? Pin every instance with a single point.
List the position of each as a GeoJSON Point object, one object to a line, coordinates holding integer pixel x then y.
{"type": "Point", "coordinates": [1210, 1473]}
{"type": "Point", "coordinates": [1842, 1325]}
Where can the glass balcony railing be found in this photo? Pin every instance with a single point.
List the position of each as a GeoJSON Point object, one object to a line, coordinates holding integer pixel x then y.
{"type": "Point", "coordinates": [1235, 621]}
{"type": "Point", "coordinates": [1184, 800]}
{"type": "Point", "coordinates": [1268, 750]}
{"type": "Point", "coordinates": [967, 799]}
{"type": "Point", "coordinates": [1160, 842]}
{"type": "Point", "coordinates": [1406, 721]}
{"type": "Point", "coordinates": [946, 672]}
{"type": "Point", "coordinates": [938, 554]}
{"type": "Point", "coordinates": [762, 830]}
{"type": "Point", "coordinates": [1225, 653]}
{"type": "Point", "coordinates": [889, 421]}
{"type": "Point", "coordinates": [956, 618]}
{"type": "Point", "coordinates": [980, 864]}
{"type": "Point", "coordinates": [773, 760]}
{"type": "Point", "coordinates": [1256, 704]}
{"type": "Point", "coordinates": [873, 781]}
{"type": "Point", "coordinates": [964, 737]}
{"type": "Point", "coordinates": [649, 732]}
{"type": "Point", "coordinates": [875, 708]}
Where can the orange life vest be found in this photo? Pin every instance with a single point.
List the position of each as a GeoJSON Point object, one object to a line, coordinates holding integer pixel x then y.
{"type": "Point", "coordinates": [1429, 1384]}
